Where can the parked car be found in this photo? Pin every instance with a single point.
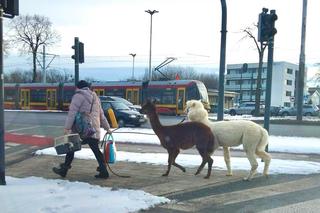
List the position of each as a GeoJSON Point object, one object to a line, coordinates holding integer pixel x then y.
{"type": "Point", "coordinates": [214, 109]}
{"type": "Point", "coordinates": [125, 101]}
{"type": "Point", "coordinates": [124, 115]}
{"type": "Point", "coordinates": [307, 110]}
{"type": "Point", "coordinates": [245, 109]}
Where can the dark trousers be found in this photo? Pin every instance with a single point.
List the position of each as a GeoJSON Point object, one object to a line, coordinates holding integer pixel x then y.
{"type": "Point", "coordinates": [93, 143]}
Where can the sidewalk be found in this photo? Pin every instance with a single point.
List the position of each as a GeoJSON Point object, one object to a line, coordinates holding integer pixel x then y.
{"type": "Point", "coordinates": [190, 193]}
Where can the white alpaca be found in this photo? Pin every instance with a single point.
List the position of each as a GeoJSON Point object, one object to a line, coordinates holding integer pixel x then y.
{"type": "Point", "coordinates": [233, 133]}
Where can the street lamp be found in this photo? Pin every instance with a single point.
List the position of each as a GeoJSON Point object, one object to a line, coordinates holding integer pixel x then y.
{"type": "Point", "coordinates": [133, 55]}
{"type": "Point", "coordinates": [151, 13]}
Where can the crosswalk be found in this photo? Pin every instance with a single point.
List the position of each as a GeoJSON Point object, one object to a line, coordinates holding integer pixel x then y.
{"type": "Point", "coordinates": [15, 152]}
{"type": "Point", "coordinates": [279, 193]}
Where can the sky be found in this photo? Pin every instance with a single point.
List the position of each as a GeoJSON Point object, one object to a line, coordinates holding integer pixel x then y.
{"type": "Point", "coordinates": [188, 30]}
{"type": "Point", "coordinates": [36, 194]}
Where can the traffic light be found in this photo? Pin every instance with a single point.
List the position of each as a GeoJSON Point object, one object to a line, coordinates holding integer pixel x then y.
{"type": "Point", "coordinates": [81, 52]}
{"type": "Point", "coordinates": [266, 25]}
{"type": "Point", "coordinates": [10, 8]}
{"type": "Point", "coordinates": [78, 51]}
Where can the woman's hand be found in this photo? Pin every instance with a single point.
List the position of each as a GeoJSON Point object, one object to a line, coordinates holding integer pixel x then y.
{"type": "Point", "coordinates": [67, 131]}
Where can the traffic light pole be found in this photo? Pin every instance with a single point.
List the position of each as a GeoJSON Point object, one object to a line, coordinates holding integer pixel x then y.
{"type": "Point", "coordinates": [2, 152]}
{"type": "Point", "coordinates": [269, 84]}
{"type": "Point", "coordinates": [222, 59]}
{"type": "Point", "coordinates": [300, 89]}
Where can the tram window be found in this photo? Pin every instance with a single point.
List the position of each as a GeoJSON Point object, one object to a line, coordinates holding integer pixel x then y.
{"type": "Point", "coordinates": [168, 97]}
{"type": "Point", "coordinates": [38, 95]}
{"type": "Point", "coordinates": [9, 94]}
{"type": "Point", "coordinates": [155, 94]}
{"type": "Point", "coordinates": [192, 93]}
{"type": "Point", "coordinates": [115, 92]}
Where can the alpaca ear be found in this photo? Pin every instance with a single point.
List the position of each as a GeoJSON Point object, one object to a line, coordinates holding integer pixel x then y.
{"type": "Point", "coordinates": [154, 101]}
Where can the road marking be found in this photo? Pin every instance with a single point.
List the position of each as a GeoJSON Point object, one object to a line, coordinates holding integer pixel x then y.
{"type": "Point", "coordinates": [237, 197]}
{"type": "Point", "coordinates": [14, 130]}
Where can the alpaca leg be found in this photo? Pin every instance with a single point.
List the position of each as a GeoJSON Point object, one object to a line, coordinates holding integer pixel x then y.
{"type": "Point", "coordinates": [204, 161]}
{"type": "Point", "coordinates": [174, 156]}
{"type": "Point", "coordinates": [254, 164]}
{"type": "Point", "coordinates": [266, 157]}
{"type": "Point", "coordinates": [205, 158]}
{"type": "Point", "coordinates": [210, 162]}
{"type": "Point", "coordinates": [169, 164]}
{"type": "Point", "coordinates": [226, 155]}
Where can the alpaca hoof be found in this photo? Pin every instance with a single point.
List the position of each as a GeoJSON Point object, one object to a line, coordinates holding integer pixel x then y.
{"type": "Point", "coordinates": [266, 175]}
{"type": "Point", "coordinates": [229, 174]}
{"type": "Point", "coordinates": [165, 175]}
{"type": "Point", "coordinates": [184, 170]}
{"type": "Point", "coordinates": [207, 177]}
{"type": "Point", "coordinates": [196, 173]}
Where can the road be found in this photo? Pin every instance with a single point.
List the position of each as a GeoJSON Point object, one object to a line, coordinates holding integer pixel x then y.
{"type": "Point", "coordinates": [16, 120]}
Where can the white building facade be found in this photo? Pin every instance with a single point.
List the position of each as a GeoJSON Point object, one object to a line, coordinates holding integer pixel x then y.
{"type": "Point", "coordinates": [244, 82]}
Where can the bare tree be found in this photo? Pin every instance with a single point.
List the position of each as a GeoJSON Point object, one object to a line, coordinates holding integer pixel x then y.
{"type": "Point", "coordinates": [31, 32]}
{"type": "Point", "coordinates": [261, 46]}
{"type": "Point", "coordinates": [18, 76]}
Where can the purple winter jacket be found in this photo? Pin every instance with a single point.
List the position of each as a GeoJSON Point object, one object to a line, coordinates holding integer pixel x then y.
{"type": "Point", "coordinates": [81, 102]}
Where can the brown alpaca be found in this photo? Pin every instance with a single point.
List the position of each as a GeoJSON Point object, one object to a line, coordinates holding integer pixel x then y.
{"type": "Point", "coordinates": [182, 136]}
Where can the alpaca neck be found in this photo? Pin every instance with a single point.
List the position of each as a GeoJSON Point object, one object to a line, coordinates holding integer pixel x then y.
{"type": "Point", "coordinates": [155, 123]}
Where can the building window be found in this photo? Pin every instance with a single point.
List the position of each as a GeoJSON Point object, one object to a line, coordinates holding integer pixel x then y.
{"type": "Point", "coordinates": [288, 93]}
{"type": "Point", "coordinates": [227, 82]}
{"type": "Point", "coordinates": [289, 71]}
{"type": "Point", "coordinates": [287, 104]}
{"type": "Point", "coordinates": [228, 71]}
{"type": "Point", "coordinates": [289, 82]}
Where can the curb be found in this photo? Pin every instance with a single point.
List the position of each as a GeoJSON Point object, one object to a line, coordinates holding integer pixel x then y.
{"type": "Point", "coordinates": [35, 140]}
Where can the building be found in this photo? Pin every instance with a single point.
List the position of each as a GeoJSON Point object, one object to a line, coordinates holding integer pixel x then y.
{"type": "Point", "coordinates": [283, 82]}
{"type": "Point", "coordinates": [229, 98]}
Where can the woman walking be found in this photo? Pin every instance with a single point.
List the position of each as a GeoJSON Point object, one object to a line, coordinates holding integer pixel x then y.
{"type": "Point", "coordinates": [85, 100]}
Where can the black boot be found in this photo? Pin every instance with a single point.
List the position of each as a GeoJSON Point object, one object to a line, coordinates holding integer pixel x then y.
{"type": "Point", "coordinates": [103, 173]}
{"type": "Point", "coordinates": [62, 170]}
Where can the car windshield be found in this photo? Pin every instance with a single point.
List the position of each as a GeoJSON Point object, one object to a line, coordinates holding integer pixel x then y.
{"type": "Point", "coordinates": [120, 106]}
{"type": "Point", "coordinates": [122, 100]}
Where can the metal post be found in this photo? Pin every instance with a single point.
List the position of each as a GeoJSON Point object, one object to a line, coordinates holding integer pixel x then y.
{"type": "Point", "coordinates": [2, 151]}
{"type": "Point", "coordinates": [151, 14]}
{"type": "Point", "coordinates": [44, 65]}
{"type": "Point", "coordinates": [222, 59]}
{"type": "Point", "coordinates": [300, 76]}
{"type": "Point", "coordinates": [76, 60]}
{"type": "Point", "coordinates": [269, 84]}
{"type": "Point", "coordinates": [133, 55]}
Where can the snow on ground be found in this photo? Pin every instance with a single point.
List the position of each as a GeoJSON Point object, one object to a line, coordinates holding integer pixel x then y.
{"type": "Point", "coordinates": [277, 166]}
{"type": "Point", "coordinates": [34, 194]}
{"type": "Point", "coordinates": [276, 144]}
{"type": "Point", "coordinates": [307, 145]}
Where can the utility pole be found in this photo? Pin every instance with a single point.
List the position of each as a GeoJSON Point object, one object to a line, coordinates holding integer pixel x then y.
{"type": "Point", "coordinates": [44, 64]}
{"type": "Point", "coordinates": [151, 14]}
{"type": "Point", "coordinates": [222, 59]}
{"type": "Point", "coordinates": [300, 76]}
{"type": "Point", "coordinates": [133, 55]}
